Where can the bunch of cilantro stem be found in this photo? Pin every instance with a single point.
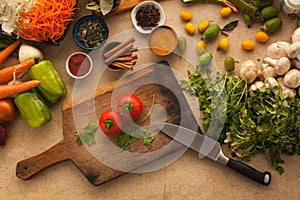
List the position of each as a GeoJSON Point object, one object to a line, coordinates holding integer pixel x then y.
{"type": "Point", "coordinates": [266, 123]}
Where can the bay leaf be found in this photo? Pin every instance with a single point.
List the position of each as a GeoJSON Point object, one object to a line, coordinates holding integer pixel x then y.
{"type": "Point", "coordinates": [106, 6]}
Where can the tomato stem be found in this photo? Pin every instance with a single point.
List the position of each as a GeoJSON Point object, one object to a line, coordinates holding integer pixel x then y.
{"type": "Point", "coordinates": [108, 124]}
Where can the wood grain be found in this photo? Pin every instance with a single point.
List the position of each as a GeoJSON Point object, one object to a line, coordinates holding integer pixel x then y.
{"type": "Point", "coordinates": [157, 79]}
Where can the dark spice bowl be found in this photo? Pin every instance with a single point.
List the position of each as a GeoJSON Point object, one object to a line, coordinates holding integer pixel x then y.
{"type": "Point", "coordinates": [90, 32]}
{"type": "Point", "coordinates": [152, 18]}
{"type": "Point", "coordinates": [79, 65]}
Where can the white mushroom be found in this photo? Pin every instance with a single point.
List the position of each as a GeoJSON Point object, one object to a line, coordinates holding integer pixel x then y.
{"type": "Point", "coordinates": [296, 35]}
{"type": "Point", "coordinates": [288, 91]}
{"type": "Point", "coordinates": [295, 63]}
{"type": "Point", "coordinates": [259, 84]}
{"type": "Point", "coordinates": [282, 65]}
{"type": "Point", "coordinates": [271, 82]}
{"type": "Point", "coordinates": [278, 49]}
{"type": "Point", "coordinates": [292, 78]}
{"type": "Point", "coordinates": [252, 88]}
{"type": "Point", "coordinates": [255, 86]}
{"type": "Point", "coordinates": [294, 50]}
{"type": "Point", "coordinates": [264, 66]}
{"type": "Point", "coordinates": [269, 71]}
{"type": "Point", "coordinates": [249, 71]}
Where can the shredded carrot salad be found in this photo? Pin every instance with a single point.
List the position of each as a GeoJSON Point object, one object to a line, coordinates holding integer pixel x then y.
{"type": "Point", "coordinates": [47, 20]}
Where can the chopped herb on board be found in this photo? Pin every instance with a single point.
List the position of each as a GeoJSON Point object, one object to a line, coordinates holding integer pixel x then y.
{"type": "Point", "coordinates": [125, 139]}
{"type": "Point", "coordinates": [86, 135]}
{"type": "Point", "coordinates": [267, 123]}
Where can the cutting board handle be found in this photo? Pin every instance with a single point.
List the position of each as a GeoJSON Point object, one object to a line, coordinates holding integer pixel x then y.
{"type": "Point", "coordinates": [28, 167]}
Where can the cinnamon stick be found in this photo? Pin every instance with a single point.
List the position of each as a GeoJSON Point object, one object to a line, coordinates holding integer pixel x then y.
{"type": "Point", "coordinates": [119, 47]}
{"type": "Point", "coordinates": [118, 53]}
{"type": "Point", "coordinates": [127, 54]}
{"type": "Point", "coordinates": [126, 58]}
{"type": "Point", "coordinates": [121, 65]}
{"type": "Point", "coordinates": [132, 62]}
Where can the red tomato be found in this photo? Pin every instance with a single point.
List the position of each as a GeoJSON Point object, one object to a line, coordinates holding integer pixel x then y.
{"type": "Point", "coordinates": [130, 105]}
{"type": "Point", "coordinates": [110, 122]}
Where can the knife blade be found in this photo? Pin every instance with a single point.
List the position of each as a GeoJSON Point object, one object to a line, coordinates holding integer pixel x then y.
{"type": "Point", "coordinates": [211, 149]}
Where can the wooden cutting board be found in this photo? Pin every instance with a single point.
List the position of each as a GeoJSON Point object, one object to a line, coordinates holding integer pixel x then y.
{"type": "Point", "coordinates": [145, 82]}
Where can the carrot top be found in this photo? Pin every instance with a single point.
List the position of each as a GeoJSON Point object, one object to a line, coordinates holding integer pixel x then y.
{"type": "Point", "coordinates": [47, 20]}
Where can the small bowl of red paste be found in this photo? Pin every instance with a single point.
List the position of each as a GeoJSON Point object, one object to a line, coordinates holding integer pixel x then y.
{"type": "Point", "coordinates": [79, 65]}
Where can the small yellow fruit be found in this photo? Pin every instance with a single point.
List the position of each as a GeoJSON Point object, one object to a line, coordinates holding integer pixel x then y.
{"type": "Point", "coordinates": [190, 28]}
{"type": "Point", "coordinates": [185, 15]}
{"type": "Point", "coordinates": [200, 47]}
{"type": "Point", "coordinates": [261, 37]}
{"type": "Point", "coordinates": [225, 12]}
{"type": "Point", "coordinates": [223, 45]}
{"type": "Point", "coordinates": [248, 45]}
{"type": "Point", "coordinates": [202, 26]}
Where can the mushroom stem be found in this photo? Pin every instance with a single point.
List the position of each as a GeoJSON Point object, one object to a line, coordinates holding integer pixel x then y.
{"type": "Point", "coordinates": [270, 61]}
{"type": "Point", "coordinates": [281, 66]}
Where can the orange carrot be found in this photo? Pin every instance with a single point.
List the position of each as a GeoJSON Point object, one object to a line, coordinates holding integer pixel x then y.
{"type": "Point", "coordinates": [46, 20]}
{"type": "Point", "coordinates": [9, 90]}
{"type": "Point", "coordinates": [8, 50]}
{"type": "Point", "coordinates": [8, 73]}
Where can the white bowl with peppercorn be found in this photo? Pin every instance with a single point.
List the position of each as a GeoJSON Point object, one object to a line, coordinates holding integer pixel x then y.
{"type": "Point", "coordinates": [146, 16]}
{"type": "Point", "coordinates": [79, 65]}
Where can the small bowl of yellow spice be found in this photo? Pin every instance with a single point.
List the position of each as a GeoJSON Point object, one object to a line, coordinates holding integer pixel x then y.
{"type": "Point", "coordinates": [162, 40]}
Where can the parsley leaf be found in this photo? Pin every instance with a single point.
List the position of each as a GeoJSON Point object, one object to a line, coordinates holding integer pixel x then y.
{"type": "Point", "coordinates": [125, 139]}
{"type": "Point", "coordinates": [266, 123]}
{"type": "Point", "coordinates": [86, 135]}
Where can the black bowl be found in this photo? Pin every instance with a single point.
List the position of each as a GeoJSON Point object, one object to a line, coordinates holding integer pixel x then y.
{"type": "Point", "coordinates": [77, 28]}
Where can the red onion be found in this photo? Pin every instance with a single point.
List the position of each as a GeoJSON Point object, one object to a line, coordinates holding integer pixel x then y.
{"type": "Point", "coordinates": [3, 135]}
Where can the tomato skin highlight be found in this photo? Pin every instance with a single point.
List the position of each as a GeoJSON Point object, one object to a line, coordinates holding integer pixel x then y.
{"type": "Point", "coordinates": [110, 122]}
{"type": "Point", "coordinates": [130, 106]}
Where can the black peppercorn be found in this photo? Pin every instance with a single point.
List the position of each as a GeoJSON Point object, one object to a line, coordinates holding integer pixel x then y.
{"type": "Point", "coordinates": [147, 16]}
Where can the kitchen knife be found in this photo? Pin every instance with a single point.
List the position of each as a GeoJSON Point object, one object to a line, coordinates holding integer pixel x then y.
{"type": "Point", "coordinates": [211, 149]}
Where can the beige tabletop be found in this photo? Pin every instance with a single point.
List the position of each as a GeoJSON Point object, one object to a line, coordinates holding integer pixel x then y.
{"type": "Point", "coordinates": [188, 177]}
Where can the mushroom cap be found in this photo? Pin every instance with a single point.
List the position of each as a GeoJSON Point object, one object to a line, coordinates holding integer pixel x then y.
{"type": "Point", "coordinates": [294, 50]}
{"type": "Point", "coordinates": [292, 78]}
{"type": "Point", "coordinates": [296, 35]}
{"type": "Point", "coordinates": [282, 65]}
{"type": "Point", "coordinates": [278, 49]}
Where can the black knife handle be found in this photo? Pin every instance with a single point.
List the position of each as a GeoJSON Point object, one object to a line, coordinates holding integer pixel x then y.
{"type": "Point", "coordinates": [261, 177]}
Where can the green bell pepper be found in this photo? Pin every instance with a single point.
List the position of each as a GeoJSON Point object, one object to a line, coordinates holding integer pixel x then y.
{"type": "Point", "coordinates": [52, 87]}
{"type": "Point", "coordinates": [33, 108]}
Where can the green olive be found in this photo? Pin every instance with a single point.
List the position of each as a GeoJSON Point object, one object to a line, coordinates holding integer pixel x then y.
{"type": "Point", "coordinates": [269, 12]}
{"type": "Point", "coordinates": [272, 25]}
{"type": "Point", "coordinates": [248, 20]}
{"type": "Point", "coordinates": [181, 44]}
{"type": "Point", "coordinates": [263, 3]}
{"type": "Point", "coordinates": [229, 63]}
{"type": "Point", "coordinates": [211, 32]}
{"type": "Point", "coordinates": [205, 59]}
